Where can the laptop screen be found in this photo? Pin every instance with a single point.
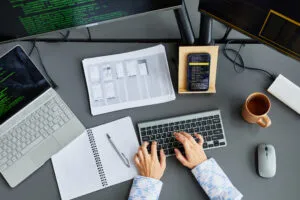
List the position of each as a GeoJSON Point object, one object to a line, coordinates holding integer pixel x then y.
{"type": "Point", "coordinates": [20, 82]}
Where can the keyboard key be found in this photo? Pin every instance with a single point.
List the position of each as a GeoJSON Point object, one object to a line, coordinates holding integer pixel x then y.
{"type": "Point", "coordinates": [171, 128]}
{"type": "Point", "coordinates": [210, 117]}
{"type": "Point", "coordinates": [158, 136]}
{"type": "Point", "coordinates": [177, 123]}
{"type": "Point", "coordinates": [188, 121]}
{"type": "Point", "coordinates": [176, 128]}
{"type": "Point", "coordinates": [218, 131]}
{"type": "Point", "coordinates": [154, 131]}
{"type": "Point", "coordinates": [165, 129]}
{"type": "Point", "coordinates": [205, 118]}
{"type": "Point", "coordinates": [205, 145]}
{"type": "Point", "coordinates": [207, 128]}
{"type": "Point", "coordinates": [149, 133]}
{"type": "Point", "coordinates": [171, 151]}
{"type": "Point", "coordinates": [187, 126]}
{"type": "Point", "coordinates": [181, 127]}
{"type": "Point", "coordinates": [217, 137]}
{"type": "Point", "coordinates": [159, 147]}
{"type": "Point", "coordinates": [152, 137]}
{"type": "Point", "coordinates": [146, 138]}
{"type": "Point", "coordinates": [208, 138]}
{"type": "Point", "coordinates": [170, 134]}
{"type": "Point", "coordinates": [211, 145]}
{"type": "Point", "coordinates": [154, 127]}
{"type": "Point", "coordinates": [143, 129]}
{"type": "Point", "coordinates": [216, 143]}
{"type": "Point", "coordinates": [216, 121]}
{"type": "Point", "coordinates": [193, 120]}
{"type": "Point", "coordinates": [3, 161]}
{"type": "Point", "coordinates": [166, 151]}
{"type": "Point", "coordinates": [210, 133]}
{"type": "Point", "coordinates": [222, 143]}
{"type": "Point", "coordinates": [3, 167]}
{"type": "Point", "coordinates": [213, 127]}
{"type": "Point", "coordinates": [160, 130]}
{"type": "Point", "coordinates": [204, 133]}
{"type": "Point", "coordinates": [218, 125]}
{"type": "Point", "coordinates": [199, 119]}
{"type": "Point", "coordinates": [165, 125]}
{"type": "Point", "coordinates": [193, 125]}
{"type": "Point", "coordinates": [216, 116]}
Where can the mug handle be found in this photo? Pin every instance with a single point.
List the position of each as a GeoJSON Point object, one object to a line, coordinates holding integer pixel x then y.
{"type": "Point", "coordinates": [264, 121]}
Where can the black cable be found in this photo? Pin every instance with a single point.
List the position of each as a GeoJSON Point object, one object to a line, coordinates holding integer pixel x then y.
{"type": "Point", "coordinates": [228, 30]}
{"type": "Point", "coordinates": [89, 32]}
{"type": "Point", "coordinates": [241, 67]}
{"type": "Point", "coordinates": [65, 36]}
{"type": "Point", "coordinates": [52, 83]}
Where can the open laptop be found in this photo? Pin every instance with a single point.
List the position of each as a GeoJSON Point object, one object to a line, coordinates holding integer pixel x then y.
{"type": "Point", "coordinates": [35, 122]}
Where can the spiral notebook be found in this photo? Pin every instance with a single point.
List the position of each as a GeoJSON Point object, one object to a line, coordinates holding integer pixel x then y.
{"type": "Point", "coordinates": [90, 162]}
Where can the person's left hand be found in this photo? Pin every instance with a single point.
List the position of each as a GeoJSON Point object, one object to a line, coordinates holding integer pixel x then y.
{"type": "Point", "coordinates": [148, 164]}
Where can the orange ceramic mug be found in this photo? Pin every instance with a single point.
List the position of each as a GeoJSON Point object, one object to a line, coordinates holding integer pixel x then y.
{"type": "Point", "coordinates": [256, 109]}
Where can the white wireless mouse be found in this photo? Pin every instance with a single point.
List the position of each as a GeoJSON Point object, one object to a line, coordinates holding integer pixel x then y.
{"type": "Point", "coordinates": [266, 156]}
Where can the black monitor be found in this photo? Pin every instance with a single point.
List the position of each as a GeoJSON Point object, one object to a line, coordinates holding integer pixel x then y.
{"type": "Point", "coordinates": [25, 18]}
{"type": "Point", "coordinates": [273, 22]}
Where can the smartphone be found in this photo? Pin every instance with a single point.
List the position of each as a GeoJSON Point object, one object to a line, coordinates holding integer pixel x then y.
{"type": "Point", "coordinates": [198, 71]}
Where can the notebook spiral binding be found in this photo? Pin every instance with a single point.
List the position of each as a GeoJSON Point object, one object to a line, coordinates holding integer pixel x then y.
{"type": "Point", "coordinates": [97, 158]}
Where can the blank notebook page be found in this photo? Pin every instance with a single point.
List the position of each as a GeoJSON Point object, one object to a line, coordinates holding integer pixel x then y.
{"type": "Point", "coordinates": [75, 166]}
{"type": "Point", "coordinates": [75, 169]}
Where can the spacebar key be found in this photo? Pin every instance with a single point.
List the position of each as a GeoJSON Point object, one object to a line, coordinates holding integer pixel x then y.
{"type": "Point", "coordinates": [30, 146]}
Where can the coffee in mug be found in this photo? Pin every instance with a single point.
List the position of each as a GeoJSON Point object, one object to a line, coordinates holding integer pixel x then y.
{"type": "Point", "coordinates": [256, 109]}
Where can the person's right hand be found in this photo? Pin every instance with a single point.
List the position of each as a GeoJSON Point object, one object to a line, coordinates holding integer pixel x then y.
{"type": "Point", "coordinates": [194, 154]}
{"type": "Point", "coordinates": [148, 164]}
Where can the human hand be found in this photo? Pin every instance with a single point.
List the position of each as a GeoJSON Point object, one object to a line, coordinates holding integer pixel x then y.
{"type": "Point", "coordinates": [148, 164]}
{"type": "Point", "coordinates": [194, 154]}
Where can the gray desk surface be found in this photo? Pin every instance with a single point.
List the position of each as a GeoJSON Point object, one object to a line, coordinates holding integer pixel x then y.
{"type": "Point", "coordinates": [63, 62]}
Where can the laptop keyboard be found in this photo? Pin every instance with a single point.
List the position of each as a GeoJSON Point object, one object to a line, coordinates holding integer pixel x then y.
{"type": "Point", "coordinates": [208, 124]}
{"type": "Point", "coordinates": [32, 130]}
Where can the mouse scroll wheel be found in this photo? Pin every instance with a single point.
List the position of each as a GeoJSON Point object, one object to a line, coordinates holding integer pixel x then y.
{"type": "Point", "coordinates": [266, 148]}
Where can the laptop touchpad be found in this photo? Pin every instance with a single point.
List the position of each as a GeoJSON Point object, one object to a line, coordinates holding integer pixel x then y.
{"type": "Point", "coordinates": [45, 150]}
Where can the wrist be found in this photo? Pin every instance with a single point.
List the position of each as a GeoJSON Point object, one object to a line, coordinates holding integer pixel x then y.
{"type": "Point", "coordinates": [199, 163]}
{"type": "Point", "coordinates": [150, 178]}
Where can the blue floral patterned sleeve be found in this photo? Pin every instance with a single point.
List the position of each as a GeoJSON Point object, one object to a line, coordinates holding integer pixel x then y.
{"type": "Point", "coordinates": [214, 181]}
{"type": "Point", "coordinates": [208, 174]}
{"type": "Point", "coordinates": [144, 188]}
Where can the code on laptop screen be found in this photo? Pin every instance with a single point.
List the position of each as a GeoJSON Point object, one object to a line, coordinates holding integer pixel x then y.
{"type": "Point", "coordinates": [20, 82]}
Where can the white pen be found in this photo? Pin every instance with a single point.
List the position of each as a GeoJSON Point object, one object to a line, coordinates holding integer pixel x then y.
{"type": "Point", "coordinates": [120, 154]}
